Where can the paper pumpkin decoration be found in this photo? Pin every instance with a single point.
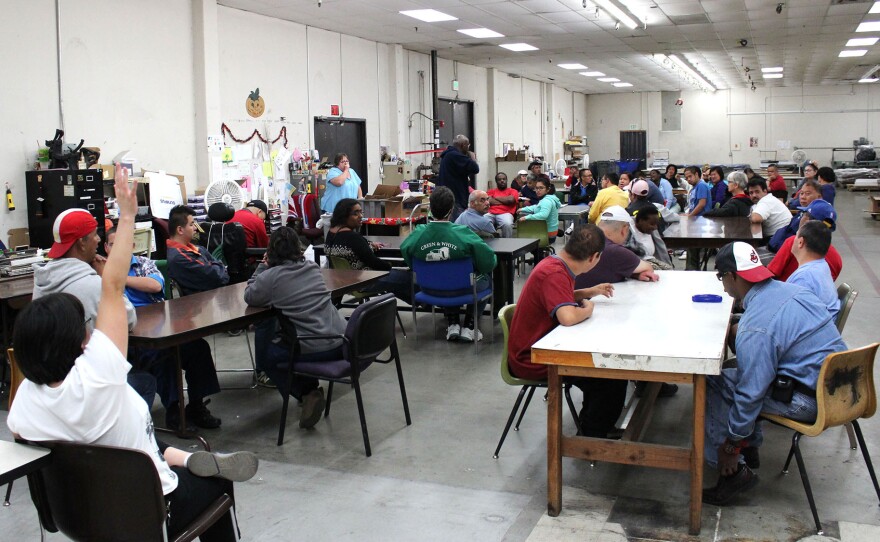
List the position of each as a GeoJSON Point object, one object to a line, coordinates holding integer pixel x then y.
{"type": "Point", "coordinates": [254, 104]}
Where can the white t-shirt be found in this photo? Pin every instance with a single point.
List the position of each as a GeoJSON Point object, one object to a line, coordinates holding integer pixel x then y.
{"type": "Point", "coordinates": [94, 405]}
{"type": "Point", "coordinates": [775, 214]}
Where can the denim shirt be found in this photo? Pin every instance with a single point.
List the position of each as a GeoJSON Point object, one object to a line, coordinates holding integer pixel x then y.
{"type": "Point", "coordinates": [785, 330]}
{"type": "Point", "coordinates": [666, 190]}
{"type": "Point", "coordinates": [815, 276]}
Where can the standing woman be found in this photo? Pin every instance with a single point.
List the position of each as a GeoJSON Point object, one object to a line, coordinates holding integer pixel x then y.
{"type": "Point", "coordinates": [342, 182]}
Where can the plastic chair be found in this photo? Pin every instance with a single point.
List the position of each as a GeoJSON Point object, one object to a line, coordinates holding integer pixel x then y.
{"type": "Point", "coordinates": [447, 276]}
{"type": "Point", "coordinates": [505, 316]}
{"type": "Point", "coordinates": [535, 229]}
{"type": "Point", "coordinates": [226, 242]}
{"type": "Point", "coordinates": [845, 392]}
{"type": "Point", "coordinates": [162, 266]}
{"type": "Point", "coordinates": [338, 262]}
{"type": "Point", "coordinates": [370, 331]}
{"type": "Point", "coordinates": [86, 493]}
{"type": "Point", "coordinates": [780, 194]}
{"type": "Point", "coordinates": [847, 297]}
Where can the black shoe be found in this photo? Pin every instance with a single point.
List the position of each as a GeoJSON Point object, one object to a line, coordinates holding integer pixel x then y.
{"type": "Point", "coordinates": [729, 487]}
{"type": "Point", "coordinates": [199, 414]}
{"type": "Point", "coordinates": [753, 460]}
{"type": "Point", "coordinates": [172, 419]}
{"type": "Point", "coordinates": [666, 390]}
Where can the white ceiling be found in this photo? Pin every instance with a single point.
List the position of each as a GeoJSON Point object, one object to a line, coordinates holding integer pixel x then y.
{"type": "Point", "coordinates": [805, 38]}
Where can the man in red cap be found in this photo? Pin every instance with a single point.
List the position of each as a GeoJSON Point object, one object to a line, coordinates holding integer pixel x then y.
{"type": "Point", "coordinates": [783, 338]}
{"type": "Point", "coordinates": [76, 269]}
{"type": "Point", "coordinates": [253, 220]}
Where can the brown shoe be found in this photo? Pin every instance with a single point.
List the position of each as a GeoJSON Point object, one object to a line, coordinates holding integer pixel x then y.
{"type": "Point", "coordinates": [729, 487]}
{"type": "Point", "coordinates": [312, 408]}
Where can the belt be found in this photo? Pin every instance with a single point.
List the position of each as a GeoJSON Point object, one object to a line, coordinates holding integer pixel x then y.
{"type": "Point", "coordinates": [803, 389]}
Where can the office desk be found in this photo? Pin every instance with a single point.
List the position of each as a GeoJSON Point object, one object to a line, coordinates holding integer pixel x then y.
{"type": "Point", "coordinates": [183, 319]}
{"type": "Point", "coordinates": [711, 232]}
{"type": "Point", "coordinates": [17, 460]}
{"type": "Point", "coordinates": [602, 347]}
{"type": "Point", "coordinates": [508, 250]}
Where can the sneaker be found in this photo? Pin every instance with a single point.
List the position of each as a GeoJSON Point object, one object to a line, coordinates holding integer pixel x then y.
{"type": "Point", "coordinates": [172, 419]}
{"type": "Point", "coordinates": [467, 334]}
{"type": "Point", "coordinates": [753, 460]}
{"type": "Point", "coordinates": [199, 414]}
{"type": "Point", "coordinates": [264, 381]}
{"type": "Point", "coordinates": [683, 255]}
{"type": "Point", "coordinates": [453, 332]}
{"type": "Point", "coordinates": [729, 487]}
{"type": "Point", "coordinates": [312, 408]}
{"type": "Point", "coordinates": [235, 467]}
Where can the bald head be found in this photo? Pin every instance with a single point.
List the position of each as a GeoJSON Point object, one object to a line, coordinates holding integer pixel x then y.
{"type": "Point", "coordinates": [461, 142]}
{"type": "Point", "coordinates": [615, 231]}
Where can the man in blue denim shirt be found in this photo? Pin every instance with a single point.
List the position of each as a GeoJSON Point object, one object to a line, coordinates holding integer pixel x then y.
{"type": "Point", "coordinates": [785, 331]}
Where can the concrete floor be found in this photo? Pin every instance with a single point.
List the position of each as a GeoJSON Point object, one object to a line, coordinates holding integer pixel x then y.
{"type": "Point", "coordinates": [437, 480]}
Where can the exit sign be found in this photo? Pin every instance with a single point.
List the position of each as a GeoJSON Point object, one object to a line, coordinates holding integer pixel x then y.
{"type": "Point", "coordinates": [633, 126]}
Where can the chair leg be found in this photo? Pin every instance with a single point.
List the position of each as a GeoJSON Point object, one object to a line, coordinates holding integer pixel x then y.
{"type": "Point", "coordinates": [524, 408]}
{"type": "Point", "coordinates": [329, 397]}
{"type": "Point", "coordinates": [284, 406]}
{"type": "Point", "coordinates": [513, 412]}
{"type": "Point", "coordinates": [795, 443]}
{"type": "Point", "coordinates": [402, 390]}
{"type": "Point", "coordinates": [360, 404]}
{"type": "Point", "coordinates": [415, 323]}
{"type": "Point", "coordinates": [788, 459]}
{"type": "Point", "coordinates": [8, 494]}
{"type": "Point", "coordinates": [572, 409]}
{"type": "Point", "coordinates": [399, 321]}
{"type": "Point", "coordinates": [851, 435]}
{"type": "Point", "coordinates": [863, 446]}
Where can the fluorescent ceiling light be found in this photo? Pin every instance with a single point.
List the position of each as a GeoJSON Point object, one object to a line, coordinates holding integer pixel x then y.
{"type": "Point", "coordinates": [682, 70]}
{"type": "Point", "coordinates": [593, 74]}
{"type": "Point", "coordinates": [772, 76]}
{"type": "Point", "coordinates": [617, 13]}
{"type": "Point", "coordinates": [428, 15]}
{"type": "Point", "coordinates": [771, 70]}
{"type": "Point", "coordinates": [519, 47]}
{"type": "Point", "coordinates": [861, 42]}
{"type": "Point", "coordinates": [622, 84]}
{"type": "Point", "coordinates": [870, 73]}
{"type": "Point", "coordinates": [875, 8]}
{"type": "Point", "coordinates": [481, 33]}
{"type": "Point", "coordinates": [874, 80]}
{"type": "Point", "coordinates": [687, 69]}
{"type": "Point", "coordinates": [609, 79]}
{"type": "Point", "coordinates": [870, 26]}
{"type": "Point", "coordinates": [853, 52]}
{"type": "Point", "coordinates": [572, 66]}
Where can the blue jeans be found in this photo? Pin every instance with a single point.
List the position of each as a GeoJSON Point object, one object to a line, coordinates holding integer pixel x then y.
{"type": "Point", "coordinates": [719, 398]}
{"type": "Point", "coordinates": [195, 360]}
{"type": "Point", "coordinates": [397, 282]}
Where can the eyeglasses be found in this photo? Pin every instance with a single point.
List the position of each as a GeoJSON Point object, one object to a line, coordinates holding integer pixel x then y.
{"type": "Point", "coordinates": [539, 187]}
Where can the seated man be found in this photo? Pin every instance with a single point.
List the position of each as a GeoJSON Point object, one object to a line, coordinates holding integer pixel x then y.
{"type": "Point", "coordinates": [548, 299]}
{"type": "Point", "coordinates": [253, 219]}
{"type": "Point", "coordinates": [475, 218]}
{"type": "Point", "coordinates": [527, 193]}
{"type": "Point", "coordinates": [645, 240]}
{"type": "Point", "coordinates": [784, 336]}
{"type": "Point", "coordinates": [609, 195]}
{"type": "Point", "coordinates": [145, 285]}
{"type": "Point", "coordinates": [191, 266]}
{"type": "Point", "coordinates": [502, 205]}
{"type": "Point", "coordinates": [738, 204]}
{"type": "Point", "coordinates": [446, 241]}
{"type": "Point", "coordinates": [617, 263]}
{"type": "Point", "coordinates": [784, 262]}
{"type": "Point", "coordinates": [774, 180]}
{"type": "Point", "coordinates": [808, 193]}
{"type": "Point", "coordinates": [520, 180]}
{"type": "Point", "coordinates": [585, 191]}
{"type": "Point", "coordinates": [810, 247]}
{"type": "Point", "coordinates": [76, 269]}
{"type": "Point", "coordinates": [700, 195]}
{"type": "Point", "coordinates": [768, 211]}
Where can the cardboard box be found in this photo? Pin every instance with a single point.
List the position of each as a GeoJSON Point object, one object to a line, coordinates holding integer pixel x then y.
{"type": "Point", "coordinates": [515, 156]}
{"type": "Point", "coordinates": [386, 201]}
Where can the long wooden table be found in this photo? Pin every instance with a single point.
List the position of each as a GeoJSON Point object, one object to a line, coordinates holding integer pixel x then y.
{"type": "Point", "coordinates": [180, 320]}
{"type": "Point", "coordinates": [602, 347]}
{"type": "Point", "coordinates": [711, 232]}
{"type": "Point", "coordinates": [508, 250]}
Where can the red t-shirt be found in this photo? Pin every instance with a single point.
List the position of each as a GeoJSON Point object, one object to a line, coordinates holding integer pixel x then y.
{"type": "Point", "coordinates": [550, 286]}
{"type": "Point", "coordinates": [503, 209]}
{"type": "Point", "coordinates": [254, 228]}
{"type": "Point", "coordinates": [784, 263]}
{"type": "Point", "coordinates": [777, 183]}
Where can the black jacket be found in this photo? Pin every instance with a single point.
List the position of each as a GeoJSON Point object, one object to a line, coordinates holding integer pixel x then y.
{"type": "Point", "coordinates": [737, 206]}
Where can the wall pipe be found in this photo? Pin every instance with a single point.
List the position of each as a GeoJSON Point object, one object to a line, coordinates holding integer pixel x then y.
{"type": "Point", "coordinates": [435, 99]}
{"type": "Point", "coordinates": [802, 112]}
{"type": "Point", "coordinates": [58, 61]}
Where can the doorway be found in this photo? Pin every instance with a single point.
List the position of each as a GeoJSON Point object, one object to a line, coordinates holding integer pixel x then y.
{"type": "Point", "coordinates": [340, 134]}
{"type": "Point", "coordinates": [634, 146]}
{"type": "Point", "coordinates": [458, 118]}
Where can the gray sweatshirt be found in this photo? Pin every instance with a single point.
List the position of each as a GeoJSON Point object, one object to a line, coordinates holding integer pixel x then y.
{"type": "Point", "coordinates": [297, 289]}
{"type": "Point", "coordinates": [79, 279]}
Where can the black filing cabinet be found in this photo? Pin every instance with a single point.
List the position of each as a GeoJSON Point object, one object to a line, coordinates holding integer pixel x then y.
{"type": "Point", "coordinates": [52, 191]}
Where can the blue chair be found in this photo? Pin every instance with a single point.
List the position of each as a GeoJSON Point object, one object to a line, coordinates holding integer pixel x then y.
{"type": "Point", "coordinates": [454, 276]}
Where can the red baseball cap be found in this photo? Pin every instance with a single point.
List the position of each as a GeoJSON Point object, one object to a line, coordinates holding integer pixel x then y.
{"type": "Point", "coordinates": [742, 259]}
{"type": "Point", "coordinates": [70, 225]}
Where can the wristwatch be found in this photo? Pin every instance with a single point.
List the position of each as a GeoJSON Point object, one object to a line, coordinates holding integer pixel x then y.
{"type": "Point", "coordinates": [732, 447]}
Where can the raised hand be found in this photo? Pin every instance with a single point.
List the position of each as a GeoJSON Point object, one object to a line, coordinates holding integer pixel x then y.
{"type": "Point", "coordinates": [126, 195]}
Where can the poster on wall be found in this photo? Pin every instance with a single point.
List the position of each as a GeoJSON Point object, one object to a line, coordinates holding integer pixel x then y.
{"type": "Point", "coordinates": [753, 142]}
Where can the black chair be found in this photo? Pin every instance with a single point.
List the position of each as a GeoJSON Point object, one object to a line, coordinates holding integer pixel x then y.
{"type": "Point", "coordinates": [86, 493]}
{"type": "Point", "coordinates": [370, 331]}
{"type": "Point", "coordinates": [226, 242]}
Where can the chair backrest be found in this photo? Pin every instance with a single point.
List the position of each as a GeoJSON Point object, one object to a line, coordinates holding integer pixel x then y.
{"type": "Point", "coordinates": [370, 329]}
{"type": "Point", "coordinates": [338, 262]}
{"type": "Point", "coordinates": [780, 194]}
{"type": "Point", "coordinates": [845, 390]}
{"type": "Point", "coordinates": [847, 297]}
{"type": "Point", "coordinates": [534, 229]}
{"type": "Point", "coordinates": [162, 266]}
{"type": "Point", "coordinates": [91, 492]}
{"type": "Point", "coordinates": [505, 316]}
{"type": "Point", "coordinates": [444, 275]}
{"type": "Point", "coordinates": [231, 240]}
{"type": "Point", "coordinates": [15, 375]}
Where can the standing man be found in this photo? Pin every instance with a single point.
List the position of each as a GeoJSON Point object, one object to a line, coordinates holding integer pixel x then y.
{"type": "Point", "coordinates": [253, 220]}
{"type": "Point", "coordinates": [585, 191]}
{"type": "Point", "coordinates": [191, 266]}
{"type": "Point", "coordinates": [783, 338]}
{"type": "Point", "coordinates": [768, 211]}
{"type": "Point", "coordinates": [457, 164]}
{"type": "Point", "coordinates": [610, 195]}
{"type": "Point", "coordinates": [502, 205]}
{"type": "Point", "coordinates": [475, 216]}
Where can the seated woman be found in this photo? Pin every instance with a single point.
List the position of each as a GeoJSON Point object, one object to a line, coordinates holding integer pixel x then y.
{"type": "Point", "coordinates": [287, 282]}
{"type": "Point", "coordinates": [546, 209]}
{"type": "Point", "coordinates": [76, 389]}
{"type": "Point", "coordinates": [645, 240]}
{"type": "Point", "coordinates": [344, 241]}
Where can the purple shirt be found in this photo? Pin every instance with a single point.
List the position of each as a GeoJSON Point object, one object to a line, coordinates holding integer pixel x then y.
{"type": "Point", "coordinates": [616, 264]}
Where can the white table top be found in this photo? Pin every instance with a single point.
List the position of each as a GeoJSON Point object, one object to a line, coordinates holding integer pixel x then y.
{"type": "Point", "coordinates": [652, 326]}
{"type": "Point", "coordinates": [14, 456]}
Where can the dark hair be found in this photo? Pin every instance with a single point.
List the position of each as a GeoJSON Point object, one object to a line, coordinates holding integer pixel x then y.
{"type": "Point", "coordinates": [582, 170]}
{"type": "Point", "coordinates": [694, 170]}
{"type": "Point", "coordinates": [338, 158]}
{"type": "Point", "coordinates": [817, 236]}
{"type": "Point", "coordinates": [342, 211]}
{"type": "Point", "coordinates": [612, 177]}
{"type": "Point", "coordinates": [177, 218]}
{"type": "Point", "coordinates": [48, 337]}
{"type": "Point", "coordinates": [500, 174]}
{"type": "Point", "coordinates": [755, 181]}
{"type": "Point", "coordinates": [108, 233]}
{"type": "Point", "coordinates": [814, 184]}
{"type": "Point", "coordinates": [644, 210]}
{"type": "Point", "coordinates": [442, 201]}
{"type": "Point", "coordinates": [674, 169]}
{"type": "Point", "coordinates": [750, 170]}
{"type": "Point", "coordinates": [284, 246]}
{"type": "Point", "coordinates": [827, 174]}
{"type": "Point", "coordinates": [719, 170]}
{"type": "Point", "coordinates": [657, 171]}
{"type": "Point", "coordinates": [545, 180]}
{"type": "Point", "coordinates": [584, 241]}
